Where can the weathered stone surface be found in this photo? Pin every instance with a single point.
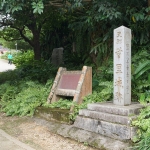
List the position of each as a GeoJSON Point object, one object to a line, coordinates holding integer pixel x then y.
{"type": "Point", "coordinates": [53, 114]}
{"type": "Point", "coordinates": [93, 139]}
{"type": "Point", "coordinates": [125, 120]}
{"type": "Point", "coordinates": [84, 87]}
{"type": "Point", "coordinates": [116, 131]}
{"type": "Point", "coordinates": [57, 56]}
{"type": "Point", "coordinates": [122, 66]}
{"type": "Point", "coordinates": [52, 96]}
{"type": "Point", "coordinates": [109, 107]}
{"type": "Point", "coordinates": [133, 132]}
{"type": "Point", "coordinates": [64, 92]}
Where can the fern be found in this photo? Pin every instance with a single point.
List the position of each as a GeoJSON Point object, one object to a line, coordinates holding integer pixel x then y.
{"type": "Point", "coordinates": [141, 76]}
{"type": "Point", "coordinates": [143, 134]}
{"type": "Point", "coordinates": [26, 100]}
{"type": "Point", "coordinates": [99, 48]}
{"type": "Point", "coordinates": [143, 84]}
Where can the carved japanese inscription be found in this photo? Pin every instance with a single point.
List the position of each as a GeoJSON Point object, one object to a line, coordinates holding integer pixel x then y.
{"type": "Point", "coordinates": [122, 66]}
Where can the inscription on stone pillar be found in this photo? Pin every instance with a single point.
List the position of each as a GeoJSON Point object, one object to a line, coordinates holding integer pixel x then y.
{"type": "Point", "coordinates": [122, 66]}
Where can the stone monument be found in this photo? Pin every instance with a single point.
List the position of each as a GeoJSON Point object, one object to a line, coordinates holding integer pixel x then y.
{"type": "Point", "coordinates": [57, 56]}
{"type": "Point", "coordinates": [113, 119]}
{"type": "Point", "coordinates": [122, 66]}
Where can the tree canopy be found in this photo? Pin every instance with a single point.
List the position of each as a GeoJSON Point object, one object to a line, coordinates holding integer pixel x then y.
{"type": "Point", "coordinates": [24, 17]}
{"type": "Point", "coordinates": [90, 24]}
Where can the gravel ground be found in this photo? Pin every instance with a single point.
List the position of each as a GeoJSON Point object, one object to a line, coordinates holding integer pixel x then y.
{"type": "Point", "coordinates": [37, 136]}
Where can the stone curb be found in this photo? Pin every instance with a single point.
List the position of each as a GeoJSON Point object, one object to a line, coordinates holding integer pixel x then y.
{"type": "Point", "coordinates": [11, 141]}
{"type": "Point", "coordinates": [90, 138]}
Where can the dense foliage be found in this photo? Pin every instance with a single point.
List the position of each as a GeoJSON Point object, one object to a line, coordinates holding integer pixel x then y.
{"type": "Point", "coordinates": [142, 123]}
{"type": "Point", "coordinates": [85, 30]}
{"type": "Point", "coordinates": [23, 97]}
{"type": "Point", "coordinates": [27, 20]}
{"type": "Point", "coordinates": [141, 76]}
{"type": "Point", "coordinates": [27, 87]}
{"type": "Point", "coordinates": [141, 92]}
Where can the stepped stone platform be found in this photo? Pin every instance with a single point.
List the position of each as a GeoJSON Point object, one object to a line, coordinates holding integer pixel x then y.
{"type": "Point", "coordinates": [109, 120]}
{"type": "Point", "coordinates": [93, 139]}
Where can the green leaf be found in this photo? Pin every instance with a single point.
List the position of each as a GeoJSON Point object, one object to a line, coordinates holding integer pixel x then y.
{"type": "Point", "coordinates": [142, 68]}
{"type": "Point", "coordinates": [149, 77]}
{"type": "Point", "coordinates": [142, 97]}
{"type": "Point", "coordinates": [139, 74]}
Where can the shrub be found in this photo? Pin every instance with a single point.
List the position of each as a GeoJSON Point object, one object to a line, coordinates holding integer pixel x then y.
{"type": "Point", "coordinates": [23, 101]}
{"type": "Point", "coordinates": [32, 69]}
{"type": "Point", "coordinates": [141, 76]}
{"type": "Point", "coordinates": [143, 133]}
{"type": "Point", "coordinates": [9, 75]}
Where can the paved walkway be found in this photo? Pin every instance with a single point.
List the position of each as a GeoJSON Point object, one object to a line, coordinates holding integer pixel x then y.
{"type": "Point", "coordinates": [4, 66]}
{"type": "Point", "coordinates": [8, 142]}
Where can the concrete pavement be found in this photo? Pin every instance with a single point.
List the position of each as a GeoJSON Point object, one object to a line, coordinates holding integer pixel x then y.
{"type": "Point", "coordinates": [4, 66]}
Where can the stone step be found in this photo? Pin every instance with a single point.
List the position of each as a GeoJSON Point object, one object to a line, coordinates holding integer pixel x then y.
{"type": "Point", "coordinates": [109, 107]}
{"type": "Point", "coordinates": [125, 120]}
{"type": "Point", "coordinates": [115, 131]}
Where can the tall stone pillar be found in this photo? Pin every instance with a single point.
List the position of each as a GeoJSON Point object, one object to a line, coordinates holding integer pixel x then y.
{"type": "Point", "coordinates": [122, 66]}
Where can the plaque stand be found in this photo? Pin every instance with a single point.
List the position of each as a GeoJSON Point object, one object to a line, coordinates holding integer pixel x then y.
{"type": "Point", "coordinates": [75, 84]}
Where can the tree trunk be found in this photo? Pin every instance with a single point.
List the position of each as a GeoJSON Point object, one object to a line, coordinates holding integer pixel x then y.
{"type": "Point", "coordinates": [148, 3]}
{"type": "Point", "coordinates": [37, 53]}
{"type": "Point", "coordinates": [149, 6]}
{"type": "Point", "coordinates": [36, 45]}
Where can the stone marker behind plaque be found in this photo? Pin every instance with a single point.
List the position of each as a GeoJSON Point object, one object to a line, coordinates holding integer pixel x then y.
{"type": "Point", "coordinates": [57, 56]}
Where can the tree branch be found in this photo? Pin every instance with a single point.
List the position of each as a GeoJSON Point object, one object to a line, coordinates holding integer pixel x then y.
{"type": "Point", "coordinates": [9, 40]}
{"type": "Point", "coordinates": [22, 35]}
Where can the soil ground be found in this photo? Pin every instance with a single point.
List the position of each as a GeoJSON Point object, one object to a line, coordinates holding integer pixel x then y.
{"type": "Point", "coordinates": [37, 136]}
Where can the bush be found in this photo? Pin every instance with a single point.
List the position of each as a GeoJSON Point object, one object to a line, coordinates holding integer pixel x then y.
{"type": "Point", "coordinates": [9, 75]}
{"type": "Point", "coordinates": [143, 133]}
{"type": "Point", "coordinates": [141, 76]}
{"type": "Point", "coordinates": [141, 92]}
{"type": "Point", "coordinates": [22, 58]}
{"type": "Point", "coordinates": [28, 68]}
{"type": "Point", "coordinates": [26, 87]}
{"type": "Point", "coordinates": [24, 97]}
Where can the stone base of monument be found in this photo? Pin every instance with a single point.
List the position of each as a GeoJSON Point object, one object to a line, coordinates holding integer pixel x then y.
{"type": "Point", "coordinates": [109, 120]}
